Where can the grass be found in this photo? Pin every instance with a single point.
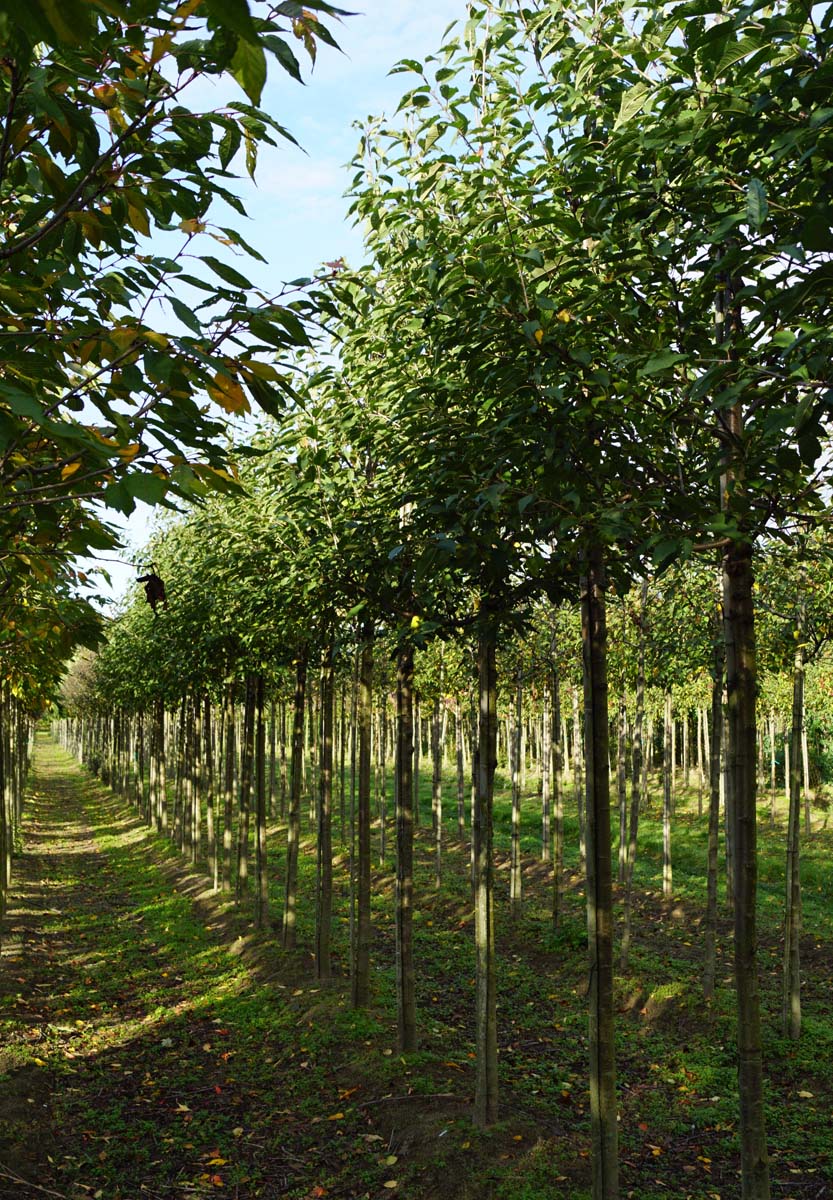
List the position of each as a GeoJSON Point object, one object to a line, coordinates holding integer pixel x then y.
{"type": "Point", "coordinates": [180, 1067]}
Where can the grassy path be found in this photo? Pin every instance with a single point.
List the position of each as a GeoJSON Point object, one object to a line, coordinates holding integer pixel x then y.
{"type": "Point", "coordinates": [139, 1057]}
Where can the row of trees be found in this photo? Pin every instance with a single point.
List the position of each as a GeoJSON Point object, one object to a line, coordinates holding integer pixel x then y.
{"type": "Point", "coordinates": [594, 338]}
{"type": "Point", "coordinates": [107, 179]}
{"type": "Point", "coordinates": [225, 710]}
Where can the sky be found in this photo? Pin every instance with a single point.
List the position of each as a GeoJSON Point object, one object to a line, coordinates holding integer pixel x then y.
{"type": "Point", "coordinates": [296, 206]}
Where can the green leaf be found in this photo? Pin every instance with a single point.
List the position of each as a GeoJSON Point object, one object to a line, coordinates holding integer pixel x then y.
{"type": "Point", "coordinates": [186, 315]}
{"type": "Point", "coordinates": [633, 101]}
{"type": "Point", "coordinates": [756, 203]}
{"type": "Point", "coordinates": [736, 52]}
{"type": "Point", "coordinates": [235, 15]}
{"type": "Point", "coordinates": [226, 272]}
{"type": "Point", "coordinates": [249, 69]}
{"type": "Point", "coordinates": [660, 362]}
{"type": "Point", "coordinates": [147, 487]}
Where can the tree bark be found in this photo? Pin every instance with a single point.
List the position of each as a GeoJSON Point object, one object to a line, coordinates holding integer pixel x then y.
{"type": "Point", "coordinates": [741, 680]}
{"type": "Point", "coordinates": [261, 874]}
{"type": "Point", "coordinates": [486, 1088]}
{"type": "Point", "coordinates": [710, 961]}
{"type": "Point", "coordinates": [516, 753]}
{"type": "Point", "coordinates": [637, 777]}
{"type": "Point", "coordinates": [405, 977]}
{"type": "Point", "coordinates": [667, 790]}
{"type": "Point", "coordinates": [791, 1012]}
{"type": "Point", "coordinates": [603, 1128]}
{"type": "Point", "coordinates": [324, 880]}
{"type": "Point", "coordinates": [293, 828]}
{"type": "Point", "coordinates": [361, 956]}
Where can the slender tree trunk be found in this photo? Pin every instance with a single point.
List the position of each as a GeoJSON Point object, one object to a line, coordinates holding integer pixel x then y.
{"type": "Point", "coordinates": [791, 1013]}
{"type": "Point", "coordinates": [805, 762]}
{"type": "Point", "coordinates": [461, 778]}
{"type": "Point", "coordinates": [405, 977]}
{"type": "Point", "coordinates": [710, 960]}
{"type": "Point", "coordinates": [261, 874]}
{"type": "Point", "coordinates": [417, 751]}
{"type": "Point", "coordinates": [741, 680]}
{"type": "Point", "coordinates": [436, 791]}
{"type": "Point", "coordinates": [284, 777]}
{"type": "Point", "coordinates": [209, 776]}
{"type": "Point", "coordinates": [293, 828]}
{"type": "Point", "coordinates": [603, 1129]}
{"type": "Point", "coordinates": [272, 757]}
{"type": "Point", "coordinates": [558, 801]}
{"type": "Point", "coordinates": [516, 752]}
{"type": "Point", "coordinates": [637, 778]}
{"type": "Point", "coordinates": [577, 783]}
{"type": "Point", "coordinates": [771, 769]}
{"type": "Point", "coordinates": [667, 772]}
{"type": "Point", "coordinates": [622, 788]}
{"type": "Point", "coordinates": [247, 755]}
{"type": "Point", "coordinates": [486, 1088]}
{"type": "Point", "coordinates": [361, 960]}
{"type": "Point", "coordinates": [324, 890]}
{"type": "Point", "coordinates": [546, 776]}
{"type": "Point", "coordinates": [228, 785]}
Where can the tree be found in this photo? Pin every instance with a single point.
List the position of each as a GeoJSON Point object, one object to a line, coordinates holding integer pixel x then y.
{"type": "Point", "coordinates": [107, 181]}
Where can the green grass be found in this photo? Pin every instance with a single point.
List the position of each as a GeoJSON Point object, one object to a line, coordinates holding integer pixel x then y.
{"type": "Point", "coordinates": [320, 1093]}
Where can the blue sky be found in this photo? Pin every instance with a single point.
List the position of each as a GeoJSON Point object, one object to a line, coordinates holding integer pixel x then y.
{"type": "Point", "coordinates": [296, 206]}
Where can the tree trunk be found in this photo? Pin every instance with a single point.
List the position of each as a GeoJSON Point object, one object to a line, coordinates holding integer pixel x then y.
{"type": "Point", "coordinates": [741, 681]}
{"type": "Point", "coordinates": [667, 773]}
{"type": "Point", "coordinates": [577, 784]}
{"type": "Point", "coordinates": [486, 1088]}
{"type": "Point", "coordinates": [637, 777]}
{"type": "Point", "coordinates": [558, 800]}
{"type": "Point", "coordinates": [436, 792]}
{"type": "Point", "coordinates": [622, 789]}
{"type": "Point", "coordinates": [261, 873]}
{"type": "Point", "coordinates": [405, 978]}
{"type": "Point", "coordinates": [792, 916]}
{"type": "Point", "coordinates": [361, 957]}
{"type": "Point", "coordinates": [516, 753]}
{"type": "Point", "coordinates": [293, 827]}
{"type": "Point", "coordinates": [324, 874]}
{"type": "Point", "coordinates": [247, 755]}
{"type": "Point", "coordinates": [461, 779]}
{"type": "Point", "coordinates": [710, 961]}
{"type": "Point", "coordinates": [603, 1129]}
{"type": "Point", "coordinates": [228, 785]}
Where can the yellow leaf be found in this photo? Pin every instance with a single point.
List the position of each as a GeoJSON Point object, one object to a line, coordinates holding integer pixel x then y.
{"type": "Point", "coordinates": [192, 225]}
{"type": "Point", "coordinates": [390, 1160]}
{"type": "Point", "coordinates": [128, 453]}
{"type": "Point", "coordinates": [392, 1183]}
{"type": "Point", "coordinates": [564, 315]}
{"type": "Point", "coordinates": [156, 339]}
{"type": "Point", "coordinates": [336, 1117]}
{"type": "Point", "coordinates": [262, 370]}
{"type": "Point", "coordinates": [228, 393]}
{"type": "Point", "coordinates": [70, 469]}
{"type": "Point", "coordinates": [539, 336]}
{"type": "Point", "coordinates": [216, 1162]}
{"type": "Point", "coordinates": [138, 220]}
